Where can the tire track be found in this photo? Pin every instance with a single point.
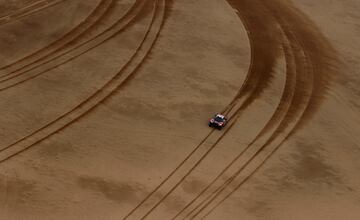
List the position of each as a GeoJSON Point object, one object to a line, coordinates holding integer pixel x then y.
{"type": "Point", "coordinates": [323, 56]}
{"type": "Point", "coordinates": [72, 43]}
{"type": "Point", "coordinates": [119, 27]}
{"type": "Point", "coordinates": [261, 67]}
{"type": "Point", "coordinates": [251, 89]}
{"type": "Point", "coordinates": [295, 115]}
{"type": "Point", "coordinates": [28, 10]}
{"type": "Point", "coordinates": [150, 37]}
{"type": "Point", "coordinates": [94, 18]}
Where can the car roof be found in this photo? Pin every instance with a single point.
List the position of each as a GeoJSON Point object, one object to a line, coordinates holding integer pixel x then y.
{"type": "Point", "coordinates": [220, 116]}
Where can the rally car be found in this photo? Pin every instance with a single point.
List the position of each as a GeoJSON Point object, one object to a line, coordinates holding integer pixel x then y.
{"type": "Point", "coordinates": [218, 121]}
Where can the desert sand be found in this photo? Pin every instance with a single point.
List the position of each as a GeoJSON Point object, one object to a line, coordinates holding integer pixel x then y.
{"type": "Point", "coordinates": [104, 106]}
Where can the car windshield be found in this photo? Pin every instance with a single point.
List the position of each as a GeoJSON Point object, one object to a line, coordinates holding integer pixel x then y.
{"type": "Point", "coordinates": [219, 119]}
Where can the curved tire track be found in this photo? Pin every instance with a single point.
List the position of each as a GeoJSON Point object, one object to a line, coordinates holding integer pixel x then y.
{"type": "Point", "coordinates": [99, 96]}
{"type": "Point", "coordinates": [120, 26]}
{"type": "Point", "coordinates": [78, 48]}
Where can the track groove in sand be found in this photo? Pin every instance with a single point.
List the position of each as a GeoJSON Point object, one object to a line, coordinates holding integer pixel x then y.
{"type": "Point", "coordinates": [28, 10]}
{"type": "Point", "coordinates": [135, 61]}
{"type": "Point", "coordinates": [79, 49]}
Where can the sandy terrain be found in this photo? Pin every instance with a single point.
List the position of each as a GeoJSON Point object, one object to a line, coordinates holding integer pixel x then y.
{"type": "Point", "coordinates": [104, 107]}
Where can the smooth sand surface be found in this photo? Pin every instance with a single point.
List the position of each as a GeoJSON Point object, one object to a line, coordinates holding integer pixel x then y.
{"type": "Point", "coordinates": [104, 107]}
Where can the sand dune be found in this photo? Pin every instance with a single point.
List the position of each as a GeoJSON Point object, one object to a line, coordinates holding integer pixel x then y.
{"type": "Point", "coordinates": [104, 107]}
